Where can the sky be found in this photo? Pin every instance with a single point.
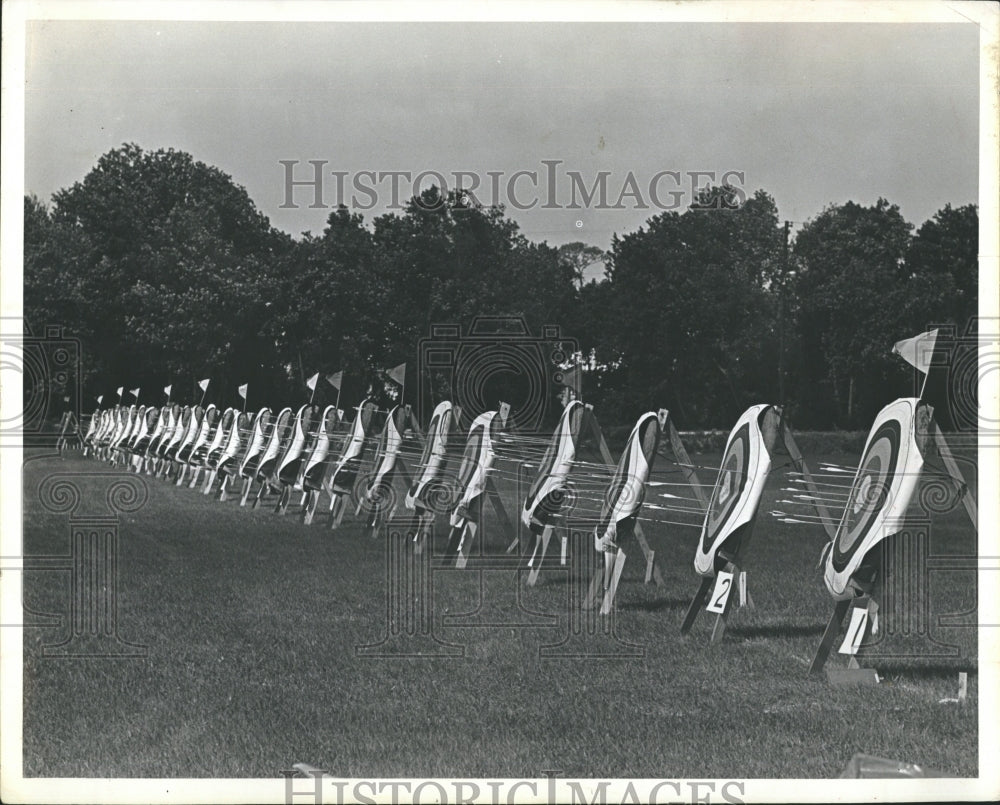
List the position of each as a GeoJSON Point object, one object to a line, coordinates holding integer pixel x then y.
{"type": "Point", "coordinates": [815, 114]}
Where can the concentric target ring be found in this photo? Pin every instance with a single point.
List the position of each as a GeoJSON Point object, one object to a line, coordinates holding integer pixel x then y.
{"type": "Point", "coordinates": [729, 486]}
{"type": "Point", "coordinates": [870, 493]}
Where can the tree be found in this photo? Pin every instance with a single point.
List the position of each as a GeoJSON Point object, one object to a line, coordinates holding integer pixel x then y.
{"type": "Point", "coordinates": [579, 256]}
{"type": "Point", "coordinates": [165, 266]}
{"type": "Point", "coordinates": [850, 262]}
{"type": "Point", "coordinates": [942, 265]}
{"type": "Point", "coordinates": [688, 319]}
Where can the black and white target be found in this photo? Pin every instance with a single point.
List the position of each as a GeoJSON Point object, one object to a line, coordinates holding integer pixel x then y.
{"type": "Point", "coordinates": [627, 489]}
{"type": "Point", "coordinates": [548, 491]}
{"type": "Point", "coordinates": [477, 461]}
{"type": "Point", "coordinates": [882, 489]}
{"type": "Point", "coordinates": [432, 459]}
{"type": "Point", "coordinates": [735, 499]}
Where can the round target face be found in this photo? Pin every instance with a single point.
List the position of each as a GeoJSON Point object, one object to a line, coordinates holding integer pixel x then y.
{"type": "Point", "coordinates": [573, 419]}
{"type": "Point", "coordinates": [625, 493]}
{"type": "Point", "coordinates": [470, 458]}
{"type": "Point", "coordinates": [728, 487]}
{"type": "Point", "coordinates": [869, 493]}
{"type": "Point", "coordinates": [432, 431]}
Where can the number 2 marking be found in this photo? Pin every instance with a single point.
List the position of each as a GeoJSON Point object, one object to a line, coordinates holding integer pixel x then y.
{"type": "Point", "coordinates": [720, 594]}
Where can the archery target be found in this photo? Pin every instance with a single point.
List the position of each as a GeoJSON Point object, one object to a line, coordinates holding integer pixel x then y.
{"type": "Point", "coordinates": [278, 434]}
{"type": "Point", "coordinates": [432, 458]}
{"type": "Point", "coordinates": [470, 457]}
{"type": "Point", "coordinates": [183, 423]}
{"type": "Point", "coordinates": [239, 425]}
{"type": "Point", "coordinates": [379, 489]}
{"type": "Point", "coordinates": [258, 437]}
{"type": "Point", "coordinates": [743, 473]}
{"type": "Point", "coordinates": [627, 488]}
{"type": "Point", "coordinates": [316, 465]}
{"type": "Point", "coordinates": [547, 490]}
{"type": "Point", "coordinates": [349, 463]}
{"type": "Point", "coordinates": [883, 485]}
{"type": "Point", "coordinates": [477, 460]}
{"type": "Point", "coordinates": [288, 467]}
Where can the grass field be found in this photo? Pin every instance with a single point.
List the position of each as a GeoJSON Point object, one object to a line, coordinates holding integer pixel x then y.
{"type": "Point", "coordinates": [251, 623]}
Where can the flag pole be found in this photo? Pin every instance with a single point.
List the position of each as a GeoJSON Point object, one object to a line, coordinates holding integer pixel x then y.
{"type": "Point", "coordinates": [924, 384]}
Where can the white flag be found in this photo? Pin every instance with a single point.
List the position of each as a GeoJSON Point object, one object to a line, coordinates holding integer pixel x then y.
{"type": "Point", "coordinates": [242, 390]}
{"type": "Point", "coordinates": [311, 382]}
{"type": "Point", "coordinates": [166, 389]}
{"type": "Point", "coordinates": [100, 398]}
{"type": "Point", "coordinates": [121, 390]}
{"type": "Point", "coordinates": [917, 351]}
{"type": "Point", "coordinates": [134, 393]}
{"type": "Point", "coordinates": [203, 384]}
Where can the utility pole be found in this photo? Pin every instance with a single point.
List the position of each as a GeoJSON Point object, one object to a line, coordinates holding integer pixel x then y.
{"type": "Point", "coordinates": [781, 316]}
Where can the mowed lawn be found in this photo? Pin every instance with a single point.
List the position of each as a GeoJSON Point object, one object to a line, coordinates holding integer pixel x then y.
{"type": "Point", "coordinates": [252, 624]}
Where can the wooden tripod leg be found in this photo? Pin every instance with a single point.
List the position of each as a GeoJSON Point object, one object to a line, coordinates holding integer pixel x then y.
{"type": "Point", "coordinates": [454, 540]}
{"type": "Point", "coordinates": [537, 556]}
{"type": "Point", "coordinates": [209, 481]}
{"type": "Point", "coordinates": [260, 494]}
{"type": "Point", "coordinates": [309, 509]}
{"type": "Point", "coordinates": [600, 581]}
{"type": "Point", "coordinates": [829, 636]}
{"type": "Point", "coordinates": [697, 603]}
{"type": "Point", "coordinates": [283, 499]}
{"type": "Point", "coordinates": [337, 507]}
{"type": "Point", "coordinates": [616, 573]}
{"type": "Point", "coordinates": [421, 536]}
{"type": "Point", "coordinates": [465, 546]}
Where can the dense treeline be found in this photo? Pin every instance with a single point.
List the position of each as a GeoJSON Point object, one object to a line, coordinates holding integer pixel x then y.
{"type": "Point", "coordinates": [167, 272]}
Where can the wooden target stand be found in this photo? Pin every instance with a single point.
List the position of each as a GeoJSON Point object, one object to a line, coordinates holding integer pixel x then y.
{"type": "Point", "coordinates": [608, 579]}
{"type": "Point", "coordinates": [715, 593]}
{"type": "Point", "coordinates": [864, 607]}
{"type": "Point", "coordinates": [69, 431]}
{"type": "Point", "coordinates": [474, 526]}
{"type": "Point", "coordinates": [536, 560]}
{"type": "Point", "coordinates": [423, 517]}
{"type": "Point", "coordinates": [380, 515]}
{"type": "Point", "coordinates": [460, 545]}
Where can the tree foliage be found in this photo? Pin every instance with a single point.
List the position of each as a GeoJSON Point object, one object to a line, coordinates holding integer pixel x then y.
{"type": "Point", "coordinates": [167, 272]}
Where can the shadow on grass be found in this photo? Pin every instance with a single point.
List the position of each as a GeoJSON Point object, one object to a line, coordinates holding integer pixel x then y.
{"type": "Point", "coordinates": [913, 669]}
{"type": "Point", "coordinates": [776, 630]}
{"type": "Point", "coordinates": [656, 605]}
